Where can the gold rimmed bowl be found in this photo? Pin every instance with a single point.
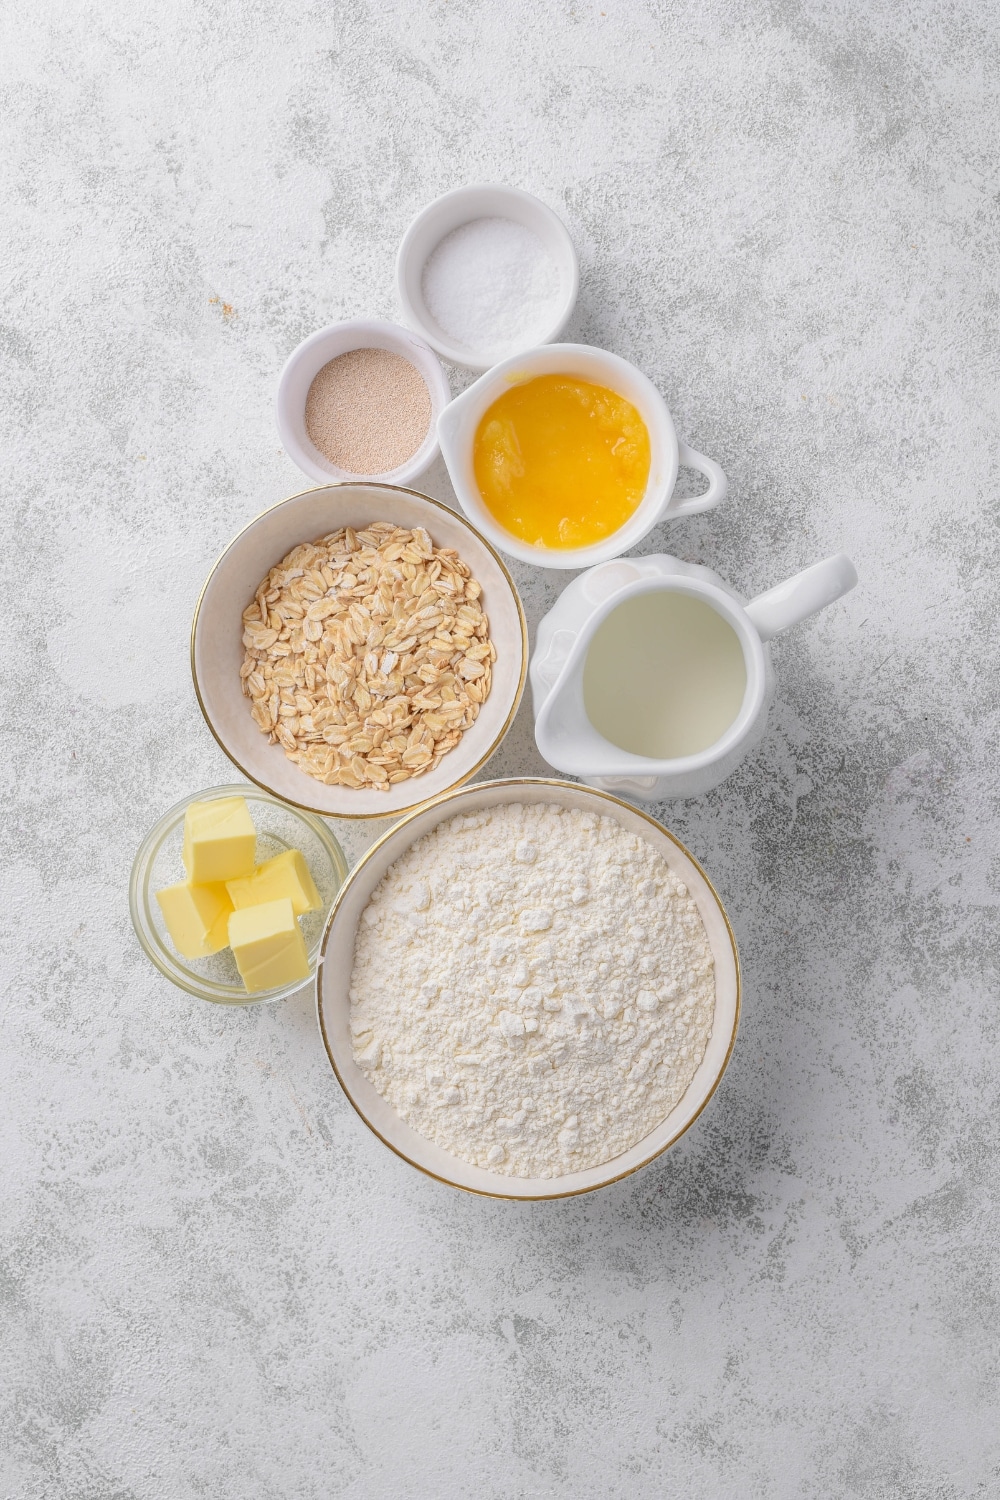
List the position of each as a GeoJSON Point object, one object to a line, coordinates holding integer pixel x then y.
{"type": "Point", "coordinates": [333, 979]}
{"type": "Point", "coordinates": [217, 643]}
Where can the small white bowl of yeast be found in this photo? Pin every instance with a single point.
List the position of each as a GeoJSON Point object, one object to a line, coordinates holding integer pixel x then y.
{"type": "Point", "coordinates": [362, 337]}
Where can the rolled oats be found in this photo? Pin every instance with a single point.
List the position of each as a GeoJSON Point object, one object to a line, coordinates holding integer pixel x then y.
{"type": "Point", "coordinates": [367, 655]}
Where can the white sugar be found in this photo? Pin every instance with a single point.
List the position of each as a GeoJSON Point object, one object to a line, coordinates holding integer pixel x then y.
{"type": "Point", "coordinates": [492, 286]}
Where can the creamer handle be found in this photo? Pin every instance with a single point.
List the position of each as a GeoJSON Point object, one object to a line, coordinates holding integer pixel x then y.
{"type": "Point", "coordinates": [718, 484]}
{"type": "Point", "coordinates": [799, 597]}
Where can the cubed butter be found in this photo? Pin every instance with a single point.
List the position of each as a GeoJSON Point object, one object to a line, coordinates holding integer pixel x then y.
{"type": "Point", "coordinates": [287, 874]}
{"type": "Point", "coordinates": [268, 945]}
{"type": "Point", "coordinates": [219, 841]}
{"type": "Point", "coordinates": [197, 918]}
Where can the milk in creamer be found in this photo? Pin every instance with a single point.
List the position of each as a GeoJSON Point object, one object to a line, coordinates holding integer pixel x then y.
{"type": "Point", "coordinates": [664, 676]}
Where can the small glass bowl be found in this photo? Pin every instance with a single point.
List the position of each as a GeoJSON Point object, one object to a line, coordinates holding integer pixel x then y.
{"type": "Point", "coordinates": [158, 863]}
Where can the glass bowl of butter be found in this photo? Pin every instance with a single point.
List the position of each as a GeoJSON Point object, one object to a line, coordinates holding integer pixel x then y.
{"type": "Point", "coordinates": [230, 891]}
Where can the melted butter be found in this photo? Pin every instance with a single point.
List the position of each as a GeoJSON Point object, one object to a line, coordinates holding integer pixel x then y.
{"type": "Point", "coordinates": [560, 462]}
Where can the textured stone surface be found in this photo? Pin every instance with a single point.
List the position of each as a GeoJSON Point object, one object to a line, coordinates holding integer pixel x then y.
{"type": "Point", "coordinates": [213, 1281]}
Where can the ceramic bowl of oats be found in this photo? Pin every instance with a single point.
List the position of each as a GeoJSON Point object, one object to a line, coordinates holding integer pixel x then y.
{"type": "Point", "coordinates": [359, 649]}
{"type": "Point", "coordinates": [528, 989]}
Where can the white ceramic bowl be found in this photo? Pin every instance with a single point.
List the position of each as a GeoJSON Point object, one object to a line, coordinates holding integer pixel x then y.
{"type": "Point", "coordinates": [333, 979]}
{"type": "Point", "coordinates": [459, 207]}
{"type": "Point", "coordinates": [305, 363]}
{"type": "Point", "coordinates": [217, 648]}
{"type": "Point", "coordinates": [459, 421]}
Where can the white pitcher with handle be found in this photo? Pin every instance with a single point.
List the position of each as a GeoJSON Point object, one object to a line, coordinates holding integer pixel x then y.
{"type": "Point", "coordinates": [570, 639]}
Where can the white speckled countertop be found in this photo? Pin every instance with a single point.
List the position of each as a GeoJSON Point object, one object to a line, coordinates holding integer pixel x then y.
{"type": "Point", "coordinates": [213, 1281]}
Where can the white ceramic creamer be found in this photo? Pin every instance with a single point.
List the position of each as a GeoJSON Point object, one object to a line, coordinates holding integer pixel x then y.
{"type": "Point", "coordinates": [708, 695]}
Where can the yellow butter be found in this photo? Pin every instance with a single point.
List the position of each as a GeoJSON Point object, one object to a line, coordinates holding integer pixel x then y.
{"type": "Point", "coordinates": [287, 874]}
{"type": "Point", "coordinates": [219, 841]}
{"type": "Point", "coordinates": [268, 945]}
{"type": "Point", "coordinates": [197, 918]}
{"type": "Point", "coordinates": [282, 969]}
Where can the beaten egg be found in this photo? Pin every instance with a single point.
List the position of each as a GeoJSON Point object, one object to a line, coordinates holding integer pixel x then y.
{"type": "Point", "coordinates": [561, 462]}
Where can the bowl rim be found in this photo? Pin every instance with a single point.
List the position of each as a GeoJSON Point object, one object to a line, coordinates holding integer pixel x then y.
{"type": "Point", "coordinates": [513, 782]}
{"type": "Point", "coordinates": [138, 883]}
{"type": "Point", "coordinates": [402, 339]}
{"type": "Point", "coordinates": [395, 814]}
{"type": "Point", "coordinates": [465, 356]}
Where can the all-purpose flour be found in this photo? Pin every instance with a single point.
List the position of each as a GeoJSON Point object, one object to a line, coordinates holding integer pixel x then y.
{"type": "Point", "coordinates": [532, 989]}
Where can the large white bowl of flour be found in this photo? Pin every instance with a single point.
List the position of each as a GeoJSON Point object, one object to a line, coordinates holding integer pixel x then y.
{"type": "Point", "coordinates": [528, 989]}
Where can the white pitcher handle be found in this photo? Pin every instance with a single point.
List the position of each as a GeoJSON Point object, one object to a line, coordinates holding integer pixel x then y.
{"type": "Point", "coordinates": [797, 598]}
{"type": "Point", "coordinates": [718, 484]}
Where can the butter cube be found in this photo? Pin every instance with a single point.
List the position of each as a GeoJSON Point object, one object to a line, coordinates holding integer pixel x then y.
{"type": "Point", "coordinates": [219, 841]}
{"type": "Point", "coordinates": [287, 874]}
{"type": "Point", "coordinates": [268, 945]}
{"type": "Point", "coordinates": [197, 918]}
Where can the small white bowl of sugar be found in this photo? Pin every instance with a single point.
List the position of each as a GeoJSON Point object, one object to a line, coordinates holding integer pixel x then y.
{"type": "Point", "coordinates": [484, 273]}
{"type": "Point", "coordinates": [361, 400]}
